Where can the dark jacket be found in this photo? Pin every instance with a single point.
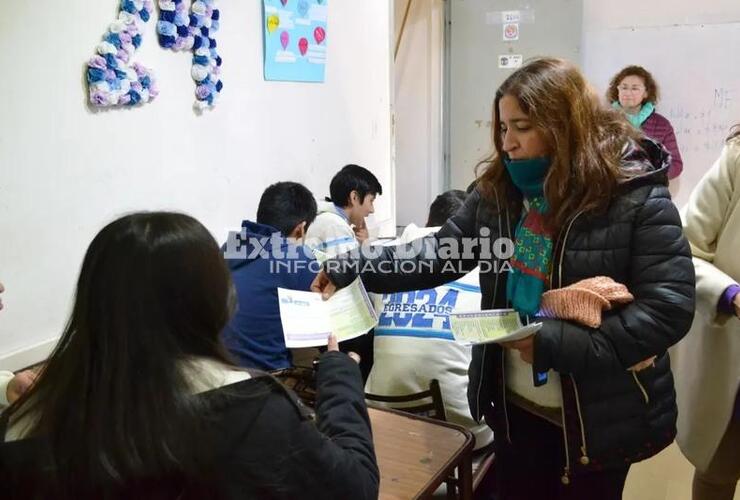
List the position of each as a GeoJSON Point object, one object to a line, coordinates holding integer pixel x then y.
{"type": "Point", "coordinates": [611, 416]}
{"type": "Point", "coordinates": [658, 128]}
{"type": "Point", "coordinates": [261, 262]}
{"type": "Point", "coordinates": [266, 445]}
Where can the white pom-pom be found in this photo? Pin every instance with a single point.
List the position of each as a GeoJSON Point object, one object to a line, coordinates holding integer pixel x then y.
{"type": "Point", "coordinates": [198, 8]}
{"type": "Point", "coordinates": [131, 74]}
{"type": "Point", "coordinates": [101, 86]}
{"type": "Point", "coordinates": [125, 86]}
{"type": "Point", "coordinates": [166, 5]}
{"type": "Point", "coordinates": [126, 17]}
{"type": "Point", "coordinates": [202, 51]}
{"type": "Point", "coordinates": [106, 48]}
{"type": "Point", "coordinates": [207, 22]}
{"type": "Point", "coordinates": [138, 4]}
{"type": "Point", "coordinates": [117, 26]}
{"type": "Point", "coordinates": [199, 72]}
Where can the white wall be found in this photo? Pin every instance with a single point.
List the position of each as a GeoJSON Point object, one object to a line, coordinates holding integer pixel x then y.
{"type": "Point", "coordinates": [418, 112]}
{"type": "Point", "coordinates": [65, 171]}
{"type": "Point", "coordinates": [691, 50]}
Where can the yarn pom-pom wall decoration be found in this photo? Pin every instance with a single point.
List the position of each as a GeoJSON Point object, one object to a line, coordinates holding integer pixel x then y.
{"type": "Point", "coordinates": [112, 76]}
{"type": "Point", "coordinates": [180, 30]}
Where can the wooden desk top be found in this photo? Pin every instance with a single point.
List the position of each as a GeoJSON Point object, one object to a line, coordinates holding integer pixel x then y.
{"type": "Point", "coordinates": [415, 454]}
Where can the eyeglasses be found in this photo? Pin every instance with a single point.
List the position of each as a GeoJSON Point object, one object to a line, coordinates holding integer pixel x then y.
{"type": "Point", "coordinates": [633, 88]}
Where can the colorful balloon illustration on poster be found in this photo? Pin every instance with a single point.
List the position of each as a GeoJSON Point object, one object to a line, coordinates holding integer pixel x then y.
{"type": "Point", "coordinates": [296, 36]}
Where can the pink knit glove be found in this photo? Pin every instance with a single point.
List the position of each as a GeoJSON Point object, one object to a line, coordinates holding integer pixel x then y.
{"type": "Point", "coordinates": [585, 300]}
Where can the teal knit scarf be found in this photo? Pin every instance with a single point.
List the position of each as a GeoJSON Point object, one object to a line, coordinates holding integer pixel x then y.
{"type": "Point", "coordinates": [530, 263]}
{"type": "Point", "coordinates": [637, 120]}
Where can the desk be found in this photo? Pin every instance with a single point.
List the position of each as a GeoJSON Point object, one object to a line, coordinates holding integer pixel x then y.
{"type": "Point", "coordinates": [416, 454]}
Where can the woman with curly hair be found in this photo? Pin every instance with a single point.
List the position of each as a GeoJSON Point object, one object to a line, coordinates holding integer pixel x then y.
{"type": "Point", "coordinates": [634, 91]}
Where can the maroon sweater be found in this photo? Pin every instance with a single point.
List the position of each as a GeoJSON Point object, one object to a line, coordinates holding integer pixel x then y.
{"type": "Point", "coordinates": [657, 127]}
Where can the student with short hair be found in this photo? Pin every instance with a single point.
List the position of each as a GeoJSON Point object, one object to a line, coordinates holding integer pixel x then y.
{"type": "Point", "coordinates": [139, 399]}
{"type": "Point", "coordinates": [267, 255]}
{"type": "Point", "coordinates": [412, 348]}
{"type": "Point", "coordinates": [340, 227]}
{"type": "Point", "coordinates": [340, 223]}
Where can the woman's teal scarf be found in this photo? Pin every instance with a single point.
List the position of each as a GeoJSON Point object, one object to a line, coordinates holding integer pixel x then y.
{"type": "Point", "coordinates": [533, 247]}
{"type": "Point", "coordinates": [642, 115]}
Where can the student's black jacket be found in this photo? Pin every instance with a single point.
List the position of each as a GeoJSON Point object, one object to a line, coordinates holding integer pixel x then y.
{"type": "Point", "coordinates": [266, 443]}
{"type": "Point", "coordinates": [612, 416]}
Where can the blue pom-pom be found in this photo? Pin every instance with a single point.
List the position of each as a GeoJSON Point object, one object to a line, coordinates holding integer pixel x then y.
{"type": "Point", "coordinates": [166, 28]}
{"type": "Point", "coordinates": [205, 81]}
{"type": "Point", "coordinates": [166, 41]}
{"type": "Point", "coordinates": [181, 19]}
{"type": "Point", "coordinates": [197, 42]}
{"type": "Point", "coordinates": [183, 31]}
{"type": "Point", "coordinates": [128, 6]}
{"type": "Point", "coordinates": [215, 25]}
{"type": "Point", "coordinates": [167, 15]}
{"type": "Point", "coordinates": [146, 82]}
{"type": "Point", "coordinates": [202, 60]}
{"type": "Point", "coordinates": [135, 97]}
{"type": "Point", "coordinates": [219, 61]}
{"type": "Point", "coordinates": [193, 20]}
{"type": "Point", "coordinates": [204, 31]}
{"type": "Point", "coordinates": [115, 84]}
{"type": "Point", "coordinates": [216, 14]}
{"type": "Point", "coordinates": [213, 43]}
{"type": "Point", "coordinates": [95, 74]}
{"type": "Point", "coordinates": [120, 74]}
{"type": "Point", "coordinates": [219, 85]}
{"type": "Point", "coordinates": [136, 40]}
{"type": "Point", "coordinates": [209, 99]}
{"type": "Point", "coordinates": [113, 39]}
{"type": "Point", "coordinates": [110, 61]}
{"type": "Point", "coordinates": [144, 15]}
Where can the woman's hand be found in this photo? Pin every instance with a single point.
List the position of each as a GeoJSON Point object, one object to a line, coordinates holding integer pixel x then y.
{"type": "Point", "coordinates": [525, 347]}
{"type": "Point", "coordinates": [323, 285]}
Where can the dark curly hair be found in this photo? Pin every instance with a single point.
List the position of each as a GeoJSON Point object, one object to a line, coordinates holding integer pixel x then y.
{"type": "Point", "coordinates": [653, 93]}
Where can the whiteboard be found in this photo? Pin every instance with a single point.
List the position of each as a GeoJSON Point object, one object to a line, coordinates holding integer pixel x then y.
{"type": "Point", "coordinates": [696, 68]}
{"type": "Point", "coordinates": [65, 171]}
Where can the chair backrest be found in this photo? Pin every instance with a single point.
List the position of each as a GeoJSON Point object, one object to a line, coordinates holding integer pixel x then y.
{"type": "Point", "coordinates": [430, 402]}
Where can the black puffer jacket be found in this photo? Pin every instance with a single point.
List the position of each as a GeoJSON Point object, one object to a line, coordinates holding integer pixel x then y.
{"type": "Point", "coordinates": [611, 415]}
{"type": "Point", "coordinates": [263, 443]}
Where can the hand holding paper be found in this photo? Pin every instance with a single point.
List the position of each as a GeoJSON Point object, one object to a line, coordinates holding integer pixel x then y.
{"type": "Point", "coordinates": [308, 319]}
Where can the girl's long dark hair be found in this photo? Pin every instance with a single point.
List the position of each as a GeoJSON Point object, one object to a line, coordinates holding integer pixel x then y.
{"type": "Point", "coordinates": [112, 401]}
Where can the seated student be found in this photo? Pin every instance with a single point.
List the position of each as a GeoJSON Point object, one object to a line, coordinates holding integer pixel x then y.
{"type": "Point", "coordinates": [340, 227]}
{"type": "Point", "coordinates": [266, 255]}
{"type": "Point", "coordinates": [340, 224]}
{"type": "Point", "coordinates": [412, 348]}
{"type": "Point", "coordinates": [139, 400]}
{"type": "Point", "coordinates": [14, 384]}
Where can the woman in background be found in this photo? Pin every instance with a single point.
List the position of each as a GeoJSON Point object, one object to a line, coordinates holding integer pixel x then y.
{"type": "Point", "coordinates": [707, 362]}
{"type": "Point", "coordinates": [139, 399]}
{"type": "Point", "coordinates": [634, 91]}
